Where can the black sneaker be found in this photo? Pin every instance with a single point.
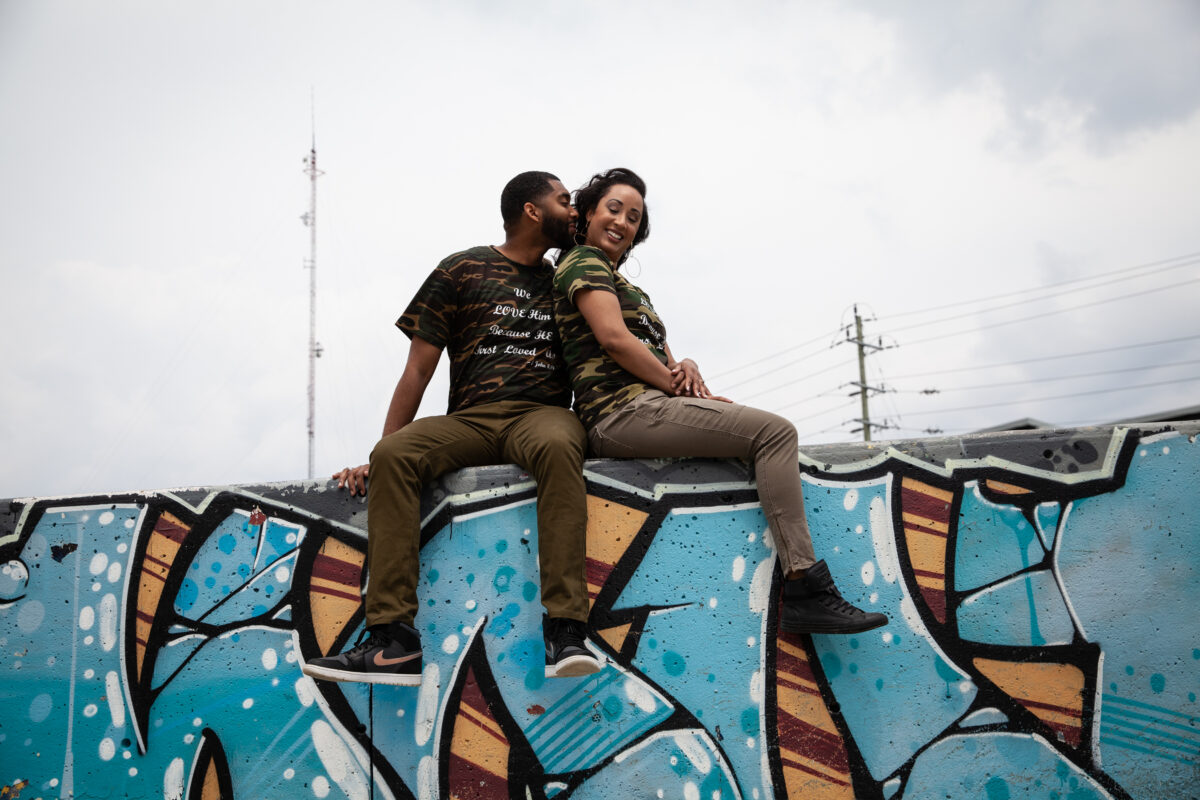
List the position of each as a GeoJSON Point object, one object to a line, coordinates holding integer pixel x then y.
{"type": "Point", "coordinates": [391, 655]}
{"type": "Point", "coordinates": [812, 604]}
{"type": "Point", "coordinates": [567, 654]}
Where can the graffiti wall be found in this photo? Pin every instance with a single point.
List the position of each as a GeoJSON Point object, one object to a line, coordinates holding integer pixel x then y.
{"type": "Point", "coordinates": [1043, 639]}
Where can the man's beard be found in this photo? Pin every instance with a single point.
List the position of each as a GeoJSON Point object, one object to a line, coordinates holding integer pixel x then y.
{"type": "Point", "coordinates": [558, 231]}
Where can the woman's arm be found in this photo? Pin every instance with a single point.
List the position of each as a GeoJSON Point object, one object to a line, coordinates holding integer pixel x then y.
{"type": "Point", "coordinates": [602, 311]}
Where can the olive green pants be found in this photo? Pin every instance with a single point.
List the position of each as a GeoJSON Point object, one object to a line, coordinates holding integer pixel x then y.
{"type": "Point", "coordinates": [546, 441]}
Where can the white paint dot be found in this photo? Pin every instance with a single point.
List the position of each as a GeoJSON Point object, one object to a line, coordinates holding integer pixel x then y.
{"type": "Point", "coordinates": [133, 772]}
{"type": "Point", "coordinates": [270, 659]}
{"type": "Point", "coordinates": [197, 722]}
{"type": "Point", "coordinates": [850, 500]}
{"type": "Point", "coordinates": [752, 538]}
{"type": "Point", "coordinates": [248, 702]}
{"type": "Point", "coordinates": [966, 686]}
{"type": "Point", "coordinates": [751, 641]}
{"type": "Point", "coordinates": [858, 528]}
{"type": "Point", "coordinates": [874, 597]}
{"type": "Point", "coordinates": [887, 637]}
{"type": "Point", "coordinates": [470, 605]}
{"type": "Point", "coordinates": [89, 673]}
{"type": "Point", "coordinates": [89, 639]}
{"type": "Point", "coordinates": [1142, 453]}
{"type": "Point", "coordinates": [290, 538]}
{"type": "Point", "coordinates": [97, 586]}
{"type": "Point", "coordinates": [750, 742]}
{"type": "Point", "coordinates": [691, 791]}
{"type": "Point", "coordinates": [399, 712]}
{"type": "Point", "coordinates": [87, 618]}
{"type": "Point", "coordinates": [659, 793]}
{"type": "Point", "coordinates": [320, 786]}
{"type": "Point", "coordinates": [126, 755]}
{"type": "Point", "coordinates": [282, 574]}
{"type": "Point", "coordinates": [712, 602]}
{"type": "Point", "coordinates": [106, 518]}
{"type": "Point", "coordinates": [108, 749]}
{"type": "Point", "coordinates": [274, 681]}
{"type": "Point", "coordinates": [868, 573]}
{"type": "Point", "coordinates": [290, 657]}
{"type": "Point", "coordinates": [1166, 451]}
{"type": "Point", "coordinates": [674, 760]}
{"type": "Point", "coordinates": [121, 547]}
{"type": "Point", "coordinates": [289, 773]}
{"type": "Point", "coordinates": [191, 737]}
{"type": "Point", "coordinates": [450, 644]}
{"type": "Point", "coordinates": [114, 572]}
{"type": "Point", "coordinates": [739, 568]}
{"type": "Point", "coordinates": [90, 710]}
{"type": "Point", "coordinates": [99, 563]}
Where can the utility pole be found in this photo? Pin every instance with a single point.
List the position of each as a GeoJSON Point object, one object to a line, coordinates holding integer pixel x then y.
{"type": "Point", "coordinates": [314, 349]}
{"type": "Point", "coordinates": [861, 383]}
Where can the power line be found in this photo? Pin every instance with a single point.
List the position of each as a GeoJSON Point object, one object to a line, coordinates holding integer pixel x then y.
{"type": "Point", "coordinates": [1052, 313]}
{"type": "Point", "coordinates": [1188, 259]}
{"type": "Point", "coordinates": [1019, 401]}
{"type": "Point", "coordinates": [839, 365]}
{"type": "Point", "coordinates": [822, 337]}
{"type": "Point", "coordinates": [1142, 368]}
{"type": "Point", "coordinates": [1049, 358]}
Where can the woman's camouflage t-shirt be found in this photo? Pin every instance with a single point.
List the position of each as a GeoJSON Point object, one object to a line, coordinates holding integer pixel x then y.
{"type": "Point", "coordinates": [495, 319]}
{"type": "Point", "coordinates": [601, 385]}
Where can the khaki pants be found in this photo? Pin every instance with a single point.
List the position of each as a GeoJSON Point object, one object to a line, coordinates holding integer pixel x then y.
{"type": "Point", "coordinates": [657, 425]}
{"type": "Point", "coordinates": [546, 441]}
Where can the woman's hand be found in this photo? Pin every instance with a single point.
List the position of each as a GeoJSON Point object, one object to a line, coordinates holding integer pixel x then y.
{"type": "Point", "coordinates": [686, 380]}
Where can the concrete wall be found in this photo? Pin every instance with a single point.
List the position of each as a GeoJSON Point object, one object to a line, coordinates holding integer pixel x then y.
{"type": "Point", "coordinates": [1044, 640]}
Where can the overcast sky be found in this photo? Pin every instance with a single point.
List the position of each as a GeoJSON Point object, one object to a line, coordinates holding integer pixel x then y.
{"type": "Point", "coordinates": [1000, 187]}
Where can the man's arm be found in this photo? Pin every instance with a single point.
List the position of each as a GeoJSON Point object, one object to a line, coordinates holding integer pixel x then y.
{"type": "Point", "coordinates": [406, 399]}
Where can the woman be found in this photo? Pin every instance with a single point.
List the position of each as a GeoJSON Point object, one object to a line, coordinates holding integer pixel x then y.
{"type": "Point", "coordinates": [637, 401]}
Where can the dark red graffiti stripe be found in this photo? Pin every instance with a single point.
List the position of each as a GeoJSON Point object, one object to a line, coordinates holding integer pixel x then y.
{"type": "Point", "coordinates": [936, 600]}
{"type": "Point", "coordinates": [336, 570]}
{"type": "Point", "coordinates": [1069, 734]}
{"type": "Point", "coordinates": [787, 680]}
{"type": "Point", "coordinates": [469, 781]}
{"type": "Point", "coordinates": [171, 530]}
{"type": "Point", "coordinates": [916, 502]}
{"type": "Point", "coordinates": [928, 573]}
{"type": "Point", "coordinates": [598, 571]}
{"type": "Point", "coordinates": [802, 767]}
{"type": "Point", "coordinates": [810, 741]}
{"type": "Point", "coordinates": [918, 528]}
{"type": "Point", "coordinates": [326, 590]}
{"type": "Point", "coordinates": [152, 560]}
{"type": "Point", "coordinates": [1064, 710]}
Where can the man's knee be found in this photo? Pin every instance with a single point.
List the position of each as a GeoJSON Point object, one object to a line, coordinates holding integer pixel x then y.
{"type": "Point", "coordinates": [557, 436]}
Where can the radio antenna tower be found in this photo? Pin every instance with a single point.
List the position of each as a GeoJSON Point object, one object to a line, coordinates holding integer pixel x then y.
{"type": "Point", "coordinates": [314, 349]}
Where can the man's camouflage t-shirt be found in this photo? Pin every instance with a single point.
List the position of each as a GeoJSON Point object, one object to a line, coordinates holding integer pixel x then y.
{"type": "Point", "coordinates": [601, 384]}
{"type": "Point", "coordinates": [495, 319]}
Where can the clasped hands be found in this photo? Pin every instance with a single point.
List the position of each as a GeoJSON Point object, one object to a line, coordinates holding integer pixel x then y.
{"type": "Point", "coordinates": [686, 381]}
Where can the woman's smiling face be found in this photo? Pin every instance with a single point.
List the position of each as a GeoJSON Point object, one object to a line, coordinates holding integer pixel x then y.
{"type": "Point", "coordinates": [612, 224]}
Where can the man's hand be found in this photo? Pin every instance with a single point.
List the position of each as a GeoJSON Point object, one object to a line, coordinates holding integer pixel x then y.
{"type": "Point", "coordinates": [355, 478]}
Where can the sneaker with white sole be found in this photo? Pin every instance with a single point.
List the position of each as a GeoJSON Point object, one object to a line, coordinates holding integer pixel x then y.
{"type": "Point", "coordinates": [391, 655]}
{"type": "Point", "coordinates": [567, 653]}
{"type": "Point", "coordinates": [813, 604]}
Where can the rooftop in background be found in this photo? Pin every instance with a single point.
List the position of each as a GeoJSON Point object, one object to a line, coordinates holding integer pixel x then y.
{"type": "Point", "coordinates": [1031, 424]}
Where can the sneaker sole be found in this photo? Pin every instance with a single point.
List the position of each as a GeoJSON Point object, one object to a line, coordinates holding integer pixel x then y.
{"type": "Point", "coordinates": [840, 629]}
{"type": "Point", "coordinates": [345, 676]}
{"type": "Point", "coordinates": [573, 667]}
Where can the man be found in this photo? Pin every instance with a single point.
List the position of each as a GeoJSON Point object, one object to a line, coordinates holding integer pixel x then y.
{"type": "Point", "coordinates": [509, 403]}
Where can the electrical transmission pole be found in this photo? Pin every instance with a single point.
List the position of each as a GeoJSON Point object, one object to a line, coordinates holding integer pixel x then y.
{"type": "Point", "coordinates": [314, 349]}
{"type": "Point", "coordinates": [861, 383]}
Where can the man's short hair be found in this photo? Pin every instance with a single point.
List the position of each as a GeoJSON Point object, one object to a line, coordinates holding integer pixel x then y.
{"type": "Point", "coordinates": [528, 187]}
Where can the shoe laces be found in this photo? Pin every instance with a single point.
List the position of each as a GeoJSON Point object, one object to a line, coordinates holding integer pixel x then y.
{"type": "Point", "coordinates": [832, 599]}
{"type": "Point", "coordinates": [571, 632]}
{"type": "Point", "coordinates": [374, 639]}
